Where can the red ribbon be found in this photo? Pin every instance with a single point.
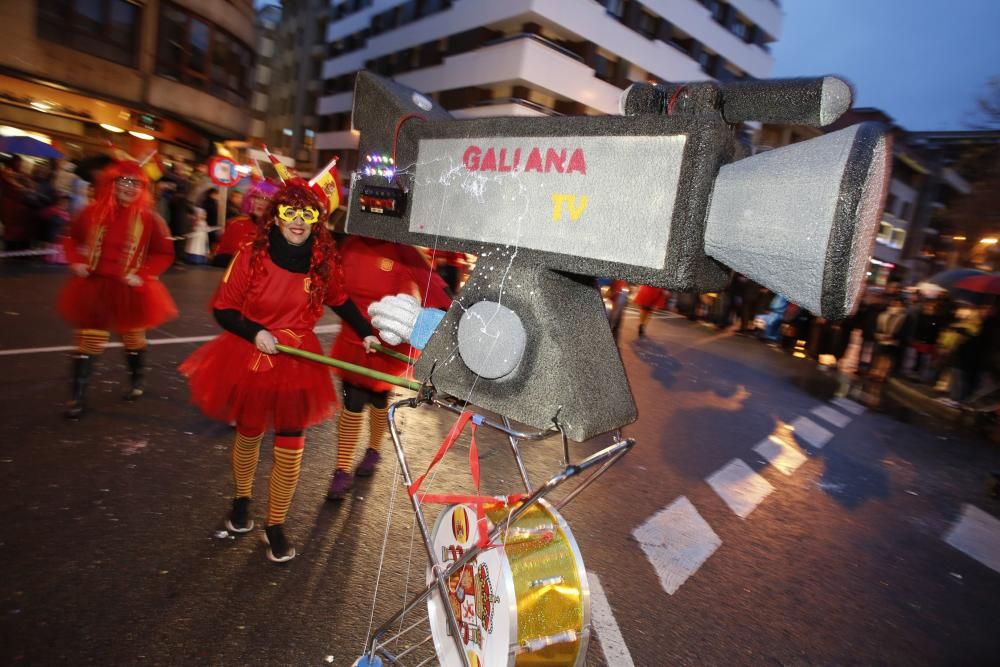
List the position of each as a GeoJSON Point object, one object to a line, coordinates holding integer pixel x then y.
{"type": "Point", "coordinates": [480, 501]}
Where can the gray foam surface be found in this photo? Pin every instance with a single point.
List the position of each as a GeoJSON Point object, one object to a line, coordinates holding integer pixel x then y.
{"type": "Point", "coordinates": [776, 217]}
{"type": "Point", "coordinates": [570, 367]}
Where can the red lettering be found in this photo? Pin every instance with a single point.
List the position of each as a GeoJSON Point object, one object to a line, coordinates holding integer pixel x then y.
{"type": "Point", "coordinates": [489, 162]}
{"type": "Point", "coordinates": [534, 161]}
{"type": "Point", "coordinates": [553, 159]}
{"type": "Point", "coordinates": [502, 165]}
{"type": "Point", "coordinates": [471, 158]}
{"type": "Point", "coordinates": [477, 158]}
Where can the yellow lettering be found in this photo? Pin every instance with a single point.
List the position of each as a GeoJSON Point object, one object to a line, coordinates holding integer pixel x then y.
{"type": "Point", "coordinates": [576, 211]}
{"type": "Point", "coordinates": [575, 206]}
{"type": "Point", "coordinates": [558, 201]}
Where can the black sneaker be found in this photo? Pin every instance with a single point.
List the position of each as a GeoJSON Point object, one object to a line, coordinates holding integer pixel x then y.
{"type": "Point", "coordinates": [278, 549]}
{"type": "Point", "coordinates": [239, 520]}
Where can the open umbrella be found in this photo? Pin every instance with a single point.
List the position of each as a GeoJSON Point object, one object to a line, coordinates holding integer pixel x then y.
{"type": "Point", "coordinates": [947, 279]}
{"type": "Point", "coordinates": [988, 283]}
{"type": "Point", "coordinates": [22, 145]}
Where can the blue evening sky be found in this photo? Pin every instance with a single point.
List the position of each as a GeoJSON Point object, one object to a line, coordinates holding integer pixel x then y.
{"type": "Point", "coordinates": [923, 62]}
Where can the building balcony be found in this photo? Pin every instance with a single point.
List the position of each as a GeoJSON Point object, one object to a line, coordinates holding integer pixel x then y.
{"type": "Point", "coordinates": [522, 61]}
{"type": "Point", "coordinates": [525, 60]}
{"type": "Point", "coordinates": [343, 140]}
{"type": "Point", "coordinates": [338, 103]}
{"type": "Point", "coordinates": [584, 21]}
{"type": "Point", "coordinates": [504, 106]}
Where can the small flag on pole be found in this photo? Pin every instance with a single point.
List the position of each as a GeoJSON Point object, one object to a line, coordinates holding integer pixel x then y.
{"type": "Point", "coordinates": [328, 182]}
{"type": "Point", "coordinates": [279, 166]}
{"type": "Point", "coordinates": [152, 166]}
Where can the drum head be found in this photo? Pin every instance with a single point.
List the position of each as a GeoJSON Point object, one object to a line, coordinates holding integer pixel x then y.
{"type": "Point", "coordinates": [485, 593]}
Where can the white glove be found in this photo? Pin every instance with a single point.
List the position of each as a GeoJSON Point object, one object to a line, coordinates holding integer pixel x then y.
{"type": "Point", "coordinates": [132, 280]}
{"type": "Point", "coordinates": [394, 317]}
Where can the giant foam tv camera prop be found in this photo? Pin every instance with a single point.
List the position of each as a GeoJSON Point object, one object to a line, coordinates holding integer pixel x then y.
{"type": "Point", "coordinates": [664, 195]}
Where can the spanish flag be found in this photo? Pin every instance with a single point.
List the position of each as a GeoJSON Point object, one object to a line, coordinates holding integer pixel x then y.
{"type": "Point", "coordinates": [328, 181]}
{"type": "Point", "coordinates": [153, 167]}
{"type": "Point", "coordinates": [279, 166]}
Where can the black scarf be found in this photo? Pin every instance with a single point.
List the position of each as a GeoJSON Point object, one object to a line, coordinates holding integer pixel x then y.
{"type": "Point", "coordinates": [294, 258]}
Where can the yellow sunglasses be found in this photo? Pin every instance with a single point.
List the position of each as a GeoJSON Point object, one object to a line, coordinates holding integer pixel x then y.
{"type": "Point", "coordinates": [308, 214]}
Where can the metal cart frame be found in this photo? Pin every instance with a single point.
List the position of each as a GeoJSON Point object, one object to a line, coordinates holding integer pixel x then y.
{"type": "Point", "coordinates": [427, 397]}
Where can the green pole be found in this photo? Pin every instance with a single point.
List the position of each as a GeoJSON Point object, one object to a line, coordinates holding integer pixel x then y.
{"type": "Point", "coordinates": [354, 368]}
{"type": "Point", "coordinates": [392, 353]}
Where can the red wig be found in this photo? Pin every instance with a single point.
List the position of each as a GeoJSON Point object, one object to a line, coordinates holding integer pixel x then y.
{"type": "Point", "coordinates": [105, 201]}
{"type": "Point", "coordinates": [297, 194]}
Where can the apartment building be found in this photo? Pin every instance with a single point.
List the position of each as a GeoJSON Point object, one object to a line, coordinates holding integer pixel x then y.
{"type": "Point", "coordinates": [174, 75]}
{"type": "Point", "coordinates": [534, 57]}
{"type": "Point", "coordinates": [268, 19]}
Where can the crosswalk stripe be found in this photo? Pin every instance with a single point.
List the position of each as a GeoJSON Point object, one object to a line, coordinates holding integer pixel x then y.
{"type": "Point", "coordinates": [677, 541]}
{"type": "Point", "coordinates": [977, 534]}
{"type": "Point", "coordinates": [831, 416]}
{"type": "Point", "coordinates": [849, 405]}
{"type": "Point", "coordinates": [739, 487]}
{"type": "Point", "coordinates": [812, 433]}
{"type": "Point", "coordinates": [784, 457]}
{"type": "Point", "coordinates": [603, 619]}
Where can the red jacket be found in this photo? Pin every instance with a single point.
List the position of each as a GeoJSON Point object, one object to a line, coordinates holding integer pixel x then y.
{"type": "Point", "coordinates": [115, 247]}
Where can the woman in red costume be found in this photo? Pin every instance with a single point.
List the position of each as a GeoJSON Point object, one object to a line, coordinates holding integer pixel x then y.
{"type": "Point", "coordinates": [117, 247]}
{"type": "Point", "coordinates": [243, 228]}
{"type": "Point", "coordinates": [375, 269]}
{"type": "Point", "coordinates": [274, 292]}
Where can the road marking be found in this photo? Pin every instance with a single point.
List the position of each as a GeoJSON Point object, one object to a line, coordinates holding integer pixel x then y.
{"type": "Point", "coordinates": [849, 405]}
{"type": "Point", "coordinates": [783, 456]}
{"type": "Point", "coordinates": [811, 432]}
{"type": "Point", "coordinates": [677, 541]}
{"type": "Point", "coordinates": [603, 619]}
{"type": "Point", "coordinates": [326, 328]}
{"type": "Point", "coordinates": [977, 534]}
{"type": "Point", "coordinates": [831, 416]}
{"type": "Point", "coordinates": [740, 487]}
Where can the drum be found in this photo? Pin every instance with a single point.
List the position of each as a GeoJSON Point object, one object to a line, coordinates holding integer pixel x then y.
{"type": "Point", "coordinates": [525, 602]}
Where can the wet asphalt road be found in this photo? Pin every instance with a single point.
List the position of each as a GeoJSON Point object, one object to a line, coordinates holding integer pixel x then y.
{"type": "Point", "coordinates": [112, 551]}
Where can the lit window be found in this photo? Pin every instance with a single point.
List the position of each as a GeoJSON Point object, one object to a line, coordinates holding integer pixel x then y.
{"type": "Point", "coordinates": [884, 232]}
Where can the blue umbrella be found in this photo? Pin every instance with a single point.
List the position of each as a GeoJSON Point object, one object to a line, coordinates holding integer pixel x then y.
{"type": "Point", "coordinates": [22, 145]}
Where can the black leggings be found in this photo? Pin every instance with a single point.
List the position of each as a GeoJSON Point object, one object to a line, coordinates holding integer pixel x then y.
{"type": "Point", "coordinates": [288, 434]}
{"type": "Point", "coordinates": [356, 398]}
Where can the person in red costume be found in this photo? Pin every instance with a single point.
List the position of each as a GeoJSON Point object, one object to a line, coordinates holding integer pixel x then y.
{"type": "Point", "coordinates": [375, 269]}
{"type": "Point", "coordinates": [243, 228]}
{"type": "Point", "coordinates": [647, 300]}
{"type": "Point", "coordinates": [274, 291]}
{"type": "Point", "coordinates": [116, 248]}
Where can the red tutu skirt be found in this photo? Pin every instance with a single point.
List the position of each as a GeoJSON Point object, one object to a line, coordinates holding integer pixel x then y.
{"type": "Point", "coordinates": [348, 347]}
{"type": "Point", "coordinates": [232, 381]}
{"type": "Point", "coordinates": [100, 302]}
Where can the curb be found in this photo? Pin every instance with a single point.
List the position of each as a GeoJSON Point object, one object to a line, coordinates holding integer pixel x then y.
{"type": "Point", "coordinates": [920, 402]}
